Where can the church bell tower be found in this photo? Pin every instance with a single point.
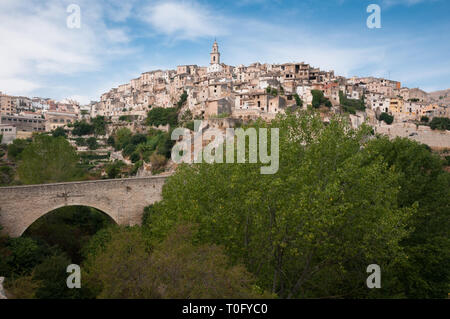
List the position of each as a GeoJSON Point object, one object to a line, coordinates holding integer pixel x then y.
{"type": "Point", "coordinates": [215, 54]}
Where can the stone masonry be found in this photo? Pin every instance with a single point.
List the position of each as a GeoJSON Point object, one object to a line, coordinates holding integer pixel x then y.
{"type": "Point", "coordinates": [122, 199]}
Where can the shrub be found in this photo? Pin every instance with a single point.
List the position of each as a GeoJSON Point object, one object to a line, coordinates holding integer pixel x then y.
{"type": "Point", "coordinates": [113, 169]}
{"type": "Point", "coordinates": [59, 132]}
{"type": "Point", "coordinates": [122, 138]}
{"type": "Point", "coordinates": [82, 128]}
{"type": "Point", "coordinates": [183, 99]}
{"type": "Point", "coordinates": [162, 116]}
{"type": "Point", "coordinates": [135, 157]}
{"type": "Point", "coordinates": [319, 99]}
{"type": "Point", "coordinates": [92, 143]}
{"type": "Point", "coordinates": [440, 123]}
{"type": "Point", "coordinates": [298, 100]}
{"type": "Point", "coordinates": [158, 162]}
{"type": "Point", "coordinates": [388, 119]}
{"type": "Point", "coordinates": [80, 141]}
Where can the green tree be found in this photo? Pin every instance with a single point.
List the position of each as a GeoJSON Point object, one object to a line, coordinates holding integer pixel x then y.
{"type": "Point", "coordinates": [20, 255]}
{"type": "Point", "coordinates": [110, 141]}
{"type": "Point", "coordinates": [351, 105]}
{"type": "Point", "coordinates": [298, 100]}
{"type": "Point", "coordinates": [6, 175]}
{"type": "Point", "coordinates": [138, 139]}
{"type": "Point", "coordinates": [319, 99]}
{"type": "Point", "coordinates": [52, 275]}
{"type": "Point", "coordinates": [135, 157]}
{"type": "Point", "coordinates": [311, 229]}
{"type": "Point", "coordinates": [128, 267]}
{"type": "Point", "coordinates": [80, 141]}
{"type": "Point", "coordinates": [16, 148]}
{"type": "Point", "coordinates": [183, 99]}
{"type": "Point", "coordinates": [122, 138]}
{"type": "Point", "coordinates": [440, 123]}
{"type": "Point", "coordinates": [99, 125]}
{"type": "Point", "coordinates": [48, 159]}
{"type": "Point", "coordinates": [92, 143]}
{"type": "Point", "coordinates": [158, 162]}
{"type": "Point", "coordinates": [114, 169]}
{"type": "Point", "coordinates": [388, 119]}
{"type": "Point", "coordinates": [59, 131]}
{"type": "Point", "coordinates": [82, 128]}
{"type": "Point", "coordinates": [423, 181]}
{"type": "Point", "coordinates": [23, 287]}
{"type": "Point", "coordinates": [162, 116]}
{"type": "Point", "coordinates": [424, 119]}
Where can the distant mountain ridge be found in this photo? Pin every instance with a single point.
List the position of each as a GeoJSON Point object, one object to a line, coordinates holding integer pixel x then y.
{"type": "Point", "coordinates": [442, 96]}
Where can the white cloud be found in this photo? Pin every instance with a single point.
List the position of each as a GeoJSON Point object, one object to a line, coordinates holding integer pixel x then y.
{"type": "Point", "coordinates": [183, 21]}
{"type": "Point", "coordinates": [17, 86]}
{"type": "Point", "coordinates": [390, 3]}
{"type": "Point", "coordinates": [37, 44]}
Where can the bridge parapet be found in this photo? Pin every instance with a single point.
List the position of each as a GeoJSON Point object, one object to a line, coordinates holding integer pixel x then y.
{"type": "Point", "coordinates": [122, 199]}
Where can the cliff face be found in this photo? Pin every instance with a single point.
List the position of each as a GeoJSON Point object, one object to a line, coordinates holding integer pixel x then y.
{"type": "Point", "coordinates": [442, 96]}
{"type": "Point", "coordinates": [2, 291]}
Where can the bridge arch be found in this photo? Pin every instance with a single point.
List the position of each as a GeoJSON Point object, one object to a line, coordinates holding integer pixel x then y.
{"type": "Point", "coordinates": [52, 210]}
{"type": "Point", "coordinates": [123, 200]}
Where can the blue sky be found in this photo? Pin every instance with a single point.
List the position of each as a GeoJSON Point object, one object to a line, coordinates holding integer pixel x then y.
{"type": "Point", "coordinates": [118, 40]}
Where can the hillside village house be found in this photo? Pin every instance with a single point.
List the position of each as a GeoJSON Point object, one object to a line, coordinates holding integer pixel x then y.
{"type": "Point", "coordinates": [221, 90]}
{"type": "Point", "coordinates": [55, 119]}
{"type": "Point", "coordinates": [8, 133]}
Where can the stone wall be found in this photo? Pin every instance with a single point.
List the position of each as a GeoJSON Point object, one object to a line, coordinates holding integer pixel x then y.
{"type": "Point", "coordinates": [122, 199]}
{"type": "Point", "coordinates": [436, 139]}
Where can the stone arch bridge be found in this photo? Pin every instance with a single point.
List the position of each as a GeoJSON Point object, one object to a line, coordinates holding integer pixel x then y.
{"type": "Point", "coordinates": [123, 200]}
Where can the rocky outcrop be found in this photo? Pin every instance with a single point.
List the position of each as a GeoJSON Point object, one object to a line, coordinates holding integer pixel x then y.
{"type": "Point", "coordinates": [2, 291]}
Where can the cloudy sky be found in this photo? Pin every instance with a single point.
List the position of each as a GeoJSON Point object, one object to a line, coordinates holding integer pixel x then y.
{"type": "Point", "coordinates": [118, 40]}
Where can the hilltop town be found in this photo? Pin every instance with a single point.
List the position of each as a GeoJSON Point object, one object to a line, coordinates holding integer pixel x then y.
{"type": "Point", "coordinates": [335, 200]}
{"type": "Point", "coordinates": [242, 93]}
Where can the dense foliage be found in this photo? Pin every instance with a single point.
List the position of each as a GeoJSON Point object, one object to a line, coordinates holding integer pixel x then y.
{"type": "Point", "coordinates": [59, 131]}
{"type": "Point", "coordinates": [440, 123]}
{"type": "Point", "coordinates": [338, 203]}
{"type": "Point", "coordinates": [143, 146]}
{"type": "Point", "coordinates": [388, 119]}
{"type": "Point", "coordinates": [319, 99]}
{"type": "Point", "coordinates": [162, 116]}
{"type": "Point", "coordinates": [341, 200]}
{"type": "Point", "coordinates": [298, 100]}
{"type": "Point", "coordinates": [48, 159]}
{"type": "Point", "coordinates": [351, 105]}
{"type": "Point", "coordinates": [183, 99]}
{"type": "Point", "coordinates": [97, 127]}
{"type": "Point", "coordinates": [129, 266]}
{"type": "Point", "coordinates": [35, 264]}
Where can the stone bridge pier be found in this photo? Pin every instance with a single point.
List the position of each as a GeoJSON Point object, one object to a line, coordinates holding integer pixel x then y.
{"type": "Point", "coordinates": [123, 200]}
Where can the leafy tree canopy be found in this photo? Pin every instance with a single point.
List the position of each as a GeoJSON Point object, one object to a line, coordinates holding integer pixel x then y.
{"type": "Point", "coordinates": [162, 116]}
{"type": "Point", "coordinates": [127, 266]}
{"type": "Point", "coordinates": [311, 229]}
{"type": "Point", "coordinates": [48, 159]}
